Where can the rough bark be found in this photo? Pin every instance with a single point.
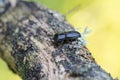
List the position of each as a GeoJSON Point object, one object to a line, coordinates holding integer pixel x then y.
{"type": "Point", "coordinates": [26, 44]}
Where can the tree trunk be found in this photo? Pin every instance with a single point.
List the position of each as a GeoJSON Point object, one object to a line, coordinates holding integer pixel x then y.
{"type": "Point", "coordinates": [27, 45]}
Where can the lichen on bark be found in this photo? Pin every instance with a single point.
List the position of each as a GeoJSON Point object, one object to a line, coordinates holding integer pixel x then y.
{"type": "Point", "coordinates": [26, 37]}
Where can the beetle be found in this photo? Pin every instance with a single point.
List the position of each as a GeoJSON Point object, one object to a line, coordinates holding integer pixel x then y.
{"type": "Point", "coordinates": [66, 37]}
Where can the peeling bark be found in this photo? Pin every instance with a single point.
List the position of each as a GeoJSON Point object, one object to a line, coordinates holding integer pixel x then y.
{"type": "Point", "coordinates": [26, 44]}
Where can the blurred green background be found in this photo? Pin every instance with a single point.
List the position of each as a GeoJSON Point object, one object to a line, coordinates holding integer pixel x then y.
{"type": "Point", "coordinates": [103, 17]}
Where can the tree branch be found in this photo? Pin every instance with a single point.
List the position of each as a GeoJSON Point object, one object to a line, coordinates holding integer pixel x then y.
{"type": "Point", "coordinates": [26, 44]}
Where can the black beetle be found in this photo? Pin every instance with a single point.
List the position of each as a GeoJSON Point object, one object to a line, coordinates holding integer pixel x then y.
{"type": "Point", "coordinates": [66, 37]}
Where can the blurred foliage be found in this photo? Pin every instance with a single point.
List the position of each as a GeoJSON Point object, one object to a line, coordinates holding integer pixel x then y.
{"type": "Point", "coordinates": [103, 17]}
{"type": "Point", "coordinates": [64, 6]}
{"type": "Point", "coordinates": [5, 73]}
